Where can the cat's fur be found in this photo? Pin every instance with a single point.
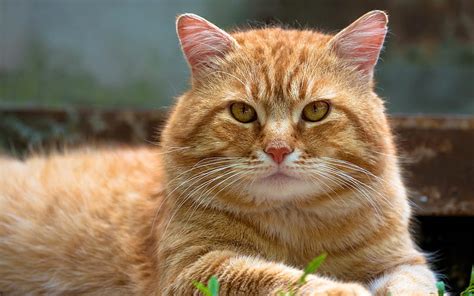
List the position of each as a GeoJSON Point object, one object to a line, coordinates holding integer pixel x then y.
{"type": "Point", "coordinates": [147, 221]}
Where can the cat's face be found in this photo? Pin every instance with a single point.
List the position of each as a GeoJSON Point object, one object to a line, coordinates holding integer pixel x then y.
{"type": "Point", "coordinates": [276, 115]}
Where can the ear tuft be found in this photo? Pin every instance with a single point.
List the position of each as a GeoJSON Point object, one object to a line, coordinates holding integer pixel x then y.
{"type": "Point", "coordinates": [361, 42]}
{"type": "Point", "coordinates": [201, 41]}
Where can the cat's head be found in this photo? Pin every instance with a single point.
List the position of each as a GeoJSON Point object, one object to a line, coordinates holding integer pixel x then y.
{"type": "Point", "coordinates": [276, 116]}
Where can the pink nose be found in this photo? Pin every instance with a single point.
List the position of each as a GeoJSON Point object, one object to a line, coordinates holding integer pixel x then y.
{"type": "Point", "coordinates": [278, 153]}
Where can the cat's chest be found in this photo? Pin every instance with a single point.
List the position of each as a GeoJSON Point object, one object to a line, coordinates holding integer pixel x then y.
{"type": "Point", "coordinates": [298, 237]}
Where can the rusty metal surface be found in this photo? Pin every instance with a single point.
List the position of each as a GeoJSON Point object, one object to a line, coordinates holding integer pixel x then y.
{"type": "Point", "coordinates": [437, 153]}
{"type": "Point", "coordinates": [22, 130]}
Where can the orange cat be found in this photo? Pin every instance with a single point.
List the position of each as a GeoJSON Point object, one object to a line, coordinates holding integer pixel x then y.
{"type": "Point", "coordinates": [279, 151]}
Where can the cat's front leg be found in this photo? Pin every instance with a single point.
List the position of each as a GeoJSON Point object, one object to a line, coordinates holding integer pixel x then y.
{"type": "Point", "coordinates": [409, 280]}
{"type": "Point", "coordinates": [247, 275]}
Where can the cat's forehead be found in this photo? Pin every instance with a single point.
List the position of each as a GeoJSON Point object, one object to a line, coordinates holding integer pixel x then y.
{"type": "Point", "coordinates": [278, 39]}
{"type": "Point", "coordinates": [279, 65]}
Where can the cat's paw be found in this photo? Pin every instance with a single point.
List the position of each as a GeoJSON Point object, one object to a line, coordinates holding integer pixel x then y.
{"type": "Point", "coordinates": [316, 288]}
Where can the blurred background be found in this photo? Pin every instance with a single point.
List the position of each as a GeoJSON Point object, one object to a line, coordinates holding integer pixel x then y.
{"type": "Point", "coordinates": [119, 53]}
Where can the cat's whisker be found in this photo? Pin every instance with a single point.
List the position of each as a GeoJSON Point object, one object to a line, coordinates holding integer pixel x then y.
{"type": "Point", "coordinates": [343, 180]}
{"type": "Point", "coordinates": [240, 178]}
{"type": "Point", "coordinates": [196, 179]}
{"type": "Point", "coordinates": [399, 157]}
{"type": "Point", "coordinates": [352, 166]}
{"type": "Point", "coordinates": [211, 180]}
{"type": "Point", "coordinates": [357, 168]}
{"type": "Point", "coordinates": [169, 150]}
{"type": "Point", "coordinates": [199, 177]}
{"type": "Point", "coordinates": [319, 177]}
{"type": "Point", "coordinates": [198, 201]}
{"type": "Point", "coordinates": [356, 185]}
{"type": "Point", "coordinates": [189, 195]}
{"type": "Point", "coordinates": [199, 165]}
{"type": "Point", "coordinates": [238, 173]}
{"type": "Point", "coordinates": [336, 163]}
{"type": "Point", "coordinates": [373, 190]}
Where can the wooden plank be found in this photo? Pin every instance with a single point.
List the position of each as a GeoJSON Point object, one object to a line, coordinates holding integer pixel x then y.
{"type": "Point", "coordinates": [437, 153]}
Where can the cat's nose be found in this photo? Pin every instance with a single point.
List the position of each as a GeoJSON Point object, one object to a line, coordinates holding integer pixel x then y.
{"type": "Point", "coordinates": [278, 152]}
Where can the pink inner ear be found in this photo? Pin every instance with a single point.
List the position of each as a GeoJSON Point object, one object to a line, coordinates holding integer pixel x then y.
{"type": "Point", "coordinates": [361, 42]}
{"type": "Point", "coordinates": [201, 41]}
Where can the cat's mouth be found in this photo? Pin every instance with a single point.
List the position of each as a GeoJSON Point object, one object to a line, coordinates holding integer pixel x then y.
{"type": "Point", "coordinates": [278, 177]}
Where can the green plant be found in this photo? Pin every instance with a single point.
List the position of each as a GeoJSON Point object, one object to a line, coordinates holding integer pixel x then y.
{"type": "Point", "coordinates": [312, 267]}
{"type": "Point", "coordinates": [470, 289]}
{"type": "Point", "coordinates": [212, 288]}
{"type": "Point", "coordinates": [441, 288]}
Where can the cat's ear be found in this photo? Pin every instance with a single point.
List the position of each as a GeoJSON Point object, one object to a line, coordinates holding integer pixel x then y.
{"type": "Point", "coordinates": [361, 42]}
{"type": "Point", "coordinates": [202, 42]}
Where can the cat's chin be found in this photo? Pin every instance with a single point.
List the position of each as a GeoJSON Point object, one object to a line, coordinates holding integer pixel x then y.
{"type": "Point", "coordinates": [280, 186]}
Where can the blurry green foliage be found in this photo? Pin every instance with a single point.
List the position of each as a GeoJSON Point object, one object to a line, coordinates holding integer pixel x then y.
{"type": "Point", "coordinates": [40, 81]}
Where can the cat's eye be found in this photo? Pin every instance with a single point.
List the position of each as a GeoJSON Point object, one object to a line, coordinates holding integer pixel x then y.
{"type": "Point", "coordinates": [316, 111]}
{"type": "Point", "coordinates": [243, 112]}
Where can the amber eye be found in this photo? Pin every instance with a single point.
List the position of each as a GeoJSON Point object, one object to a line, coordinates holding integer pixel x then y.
{"type": "Point", "coordinates": [243, 112]}
{"type": "Point", "coordinates": [315, 111]}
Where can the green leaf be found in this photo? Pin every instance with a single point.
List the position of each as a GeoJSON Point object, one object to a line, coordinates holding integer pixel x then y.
{"type": "Point", "coordinates": [213, 286]}
{"type": "Point", "coordinates": [471, 283]}
{"type": "Point", "coordinates": [312, 267]}
{"type": "Point", "coordinates": [470, 290]}
{"type": "Point", "coordinates": [203, 289]}
{"type": "Point", "coordinates": [441, 288]}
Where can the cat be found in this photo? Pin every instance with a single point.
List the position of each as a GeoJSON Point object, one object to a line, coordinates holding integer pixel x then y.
{"type": "Point", "coordinates": [279, 151]}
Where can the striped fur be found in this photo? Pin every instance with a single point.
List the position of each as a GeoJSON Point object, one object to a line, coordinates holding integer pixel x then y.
{"type": "Point", "coordinates": [149, 222]}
